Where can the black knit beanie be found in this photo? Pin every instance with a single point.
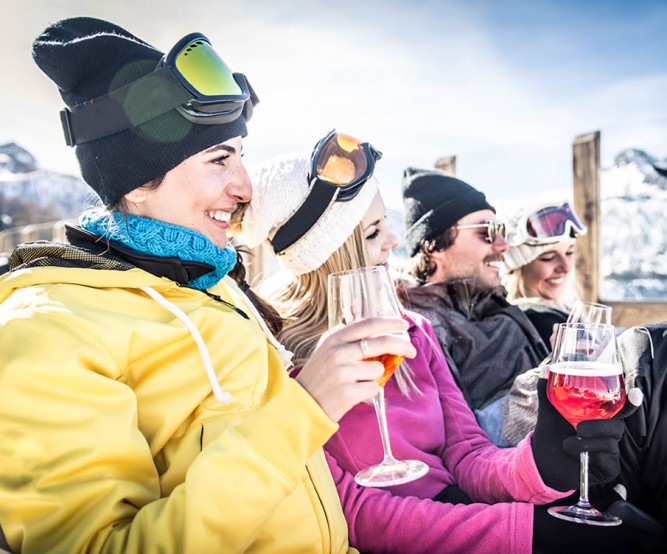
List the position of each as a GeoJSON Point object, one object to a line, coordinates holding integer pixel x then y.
{"type": "Point", "coordinates": [89, 57]}
{"type": "Point", "coordinates": [435, 201]}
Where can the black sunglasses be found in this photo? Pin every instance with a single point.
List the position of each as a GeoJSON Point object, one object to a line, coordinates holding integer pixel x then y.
{"type": "Point", "coordinates": [493, 229]}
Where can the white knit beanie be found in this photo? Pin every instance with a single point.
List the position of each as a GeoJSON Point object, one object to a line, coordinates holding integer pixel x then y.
{"type": "Point", "coordinates": [522, 254]}
{"type": "Point", "coordinates": [279, 188]}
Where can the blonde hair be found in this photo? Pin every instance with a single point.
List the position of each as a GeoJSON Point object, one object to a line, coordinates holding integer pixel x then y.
{"type": "Point", "coordinates": [302, 303]}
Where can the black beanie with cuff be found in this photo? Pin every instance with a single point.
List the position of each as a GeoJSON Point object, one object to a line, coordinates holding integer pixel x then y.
{"type": "Point", "coordinates": [435, 201]}
{"type": "Point", "coordinates": [87, 58]}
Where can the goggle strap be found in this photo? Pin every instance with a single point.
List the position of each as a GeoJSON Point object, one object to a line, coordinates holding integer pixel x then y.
{"type": "Point", "coordinates": [149, 97]}
{"type": "Point", "coordinates": [254, 99]}
{"type": "Point", "coordinates": [319, 198]}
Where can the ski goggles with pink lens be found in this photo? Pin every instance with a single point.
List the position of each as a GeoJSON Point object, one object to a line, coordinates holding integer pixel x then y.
{"type": "Point", "coordinates": [550, 224]}
{"type": "Point", "coordinates": [340, 165]}
{"type": "Point", "coordinates": [192, 78]}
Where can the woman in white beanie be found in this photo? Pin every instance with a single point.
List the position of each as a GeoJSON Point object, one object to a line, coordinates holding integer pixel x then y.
{"type": "Point", "coordinates": [540, 281]}
{"type": "Point", "coordinates": [540, 263]}
{"type": "Point", "coordinates": [484, 495]}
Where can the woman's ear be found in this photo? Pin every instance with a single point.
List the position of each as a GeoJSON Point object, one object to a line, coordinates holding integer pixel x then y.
{"type": "Point", "coordinates": [136, 196]}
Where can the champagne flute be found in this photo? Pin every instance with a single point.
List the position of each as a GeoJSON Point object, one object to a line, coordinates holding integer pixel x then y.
{"type": "Point", "coordinates": [585, 382]}
{"type": "Point", "coordinates": [590, 312]}
{"type": "Point", "coordinates": [357, 294]}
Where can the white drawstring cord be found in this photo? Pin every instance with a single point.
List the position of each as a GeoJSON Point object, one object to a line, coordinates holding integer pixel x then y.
{"type": "Point", "coordinates": [650, 340]}
{"type": "Point", "coordinates": [635, 394]}
{"type": "Point", "coordinates": [222, 396]}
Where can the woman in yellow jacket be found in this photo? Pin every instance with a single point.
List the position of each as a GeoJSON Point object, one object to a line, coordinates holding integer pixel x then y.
{"type": "Point", "coordinates": [144, 404]}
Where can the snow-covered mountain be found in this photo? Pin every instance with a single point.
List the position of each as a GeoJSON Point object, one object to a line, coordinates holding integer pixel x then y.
{"type": "Point", "coordinates": [634, 227]}
{"type": "Point", "coordinates": [32, 194]}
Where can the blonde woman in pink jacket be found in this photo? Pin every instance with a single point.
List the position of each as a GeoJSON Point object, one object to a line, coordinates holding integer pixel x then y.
{"type": "Point", "coordinates": [476, 497]}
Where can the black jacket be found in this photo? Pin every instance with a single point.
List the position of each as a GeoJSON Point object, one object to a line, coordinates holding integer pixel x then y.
{"type": "Point", "coordinates": [543, 318]}
{"type": "Point", "coordinates": [487, 341]}
{"type": "Point", "coordinates": [643, 351]}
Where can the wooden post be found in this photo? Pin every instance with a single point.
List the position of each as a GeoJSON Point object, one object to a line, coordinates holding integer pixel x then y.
{"type": "Point", "coordinates": [586, 181]}
{"type": "Point", "coordinates": [447, 164]}
{"type": "Point", "coordinates": [255, 264]}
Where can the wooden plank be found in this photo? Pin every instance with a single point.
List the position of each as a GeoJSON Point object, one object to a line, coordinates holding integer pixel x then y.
{"type": "Point", "coordinates": [627, 314]}
{"type": "Point", "coordinates": [447, 164]}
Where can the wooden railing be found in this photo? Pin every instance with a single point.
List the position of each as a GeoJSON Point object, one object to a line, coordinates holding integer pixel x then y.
{"type": "Point", "coordinates": [10, 238]}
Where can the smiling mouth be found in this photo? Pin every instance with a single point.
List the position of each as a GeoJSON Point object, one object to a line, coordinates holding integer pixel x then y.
{"type": "Point", "coordinates": [496, 264]}
{"type": "Point", "coordinates": [556, 281]}
{"type": "Point", "coordinates": [219, 215]}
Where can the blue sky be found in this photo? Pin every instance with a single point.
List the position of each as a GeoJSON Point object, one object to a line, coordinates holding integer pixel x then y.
{"type": "Point", "coordinates": [504, 86]}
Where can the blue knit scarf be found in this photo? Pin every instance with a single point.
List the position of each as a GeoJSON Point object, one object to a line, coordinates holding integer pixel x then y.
{"type": "Point", "coordinates": [157, 238]}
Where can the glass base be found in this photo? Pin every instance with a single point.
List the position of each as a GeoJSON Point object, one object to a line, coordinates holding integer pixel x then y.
{"type": "Point", "coordinates": [390, 473]}
{"type": "Point", "coordinates": [587, 516]}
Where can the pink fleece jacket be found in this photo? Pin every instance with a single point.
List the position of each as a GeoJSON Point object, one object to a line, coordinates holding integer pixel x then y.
{"type": "Point", "coordinates": [438, 428]}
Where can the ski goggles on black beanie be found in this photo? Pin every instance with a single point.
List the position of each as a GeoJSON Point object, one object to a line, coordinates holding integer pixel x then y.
{"type": "Point", "coordinates": [132, 112]}
{"type": "Point", "coordinates": [435, 201]}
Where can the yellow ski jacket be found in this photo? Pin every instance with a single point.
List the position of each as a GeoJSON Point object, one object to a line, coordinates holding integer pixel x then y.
{"type": "Point", "coordinates": [140, 416]}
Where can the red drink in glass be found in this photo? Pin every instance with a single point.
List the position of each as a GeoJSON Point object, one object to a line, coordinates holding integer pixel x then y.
{"type": "Point", "coordinates": [582, 390]}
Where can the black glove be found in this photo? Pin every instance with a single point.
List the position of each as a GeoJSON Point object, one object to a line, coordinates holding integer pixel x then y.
{"type": "Point", "coordinates": [551, 534]}
{"type": "Point", "coordinates": [556, 445]}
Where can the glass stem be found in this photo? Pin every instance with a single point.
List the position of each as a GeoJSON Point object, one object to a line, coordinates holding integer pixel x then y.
{"type": "Point", "coordinates": [378, 402]}
{"type": "Point", "coordinates": [583, 481]}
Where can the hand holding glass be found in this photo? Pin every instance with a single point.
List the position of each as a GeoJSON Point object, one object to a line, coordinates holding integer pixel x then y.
{"type": "Point", "coordinates": [585, 382]}
{"type": "Point", "coordinates": [355, 295]}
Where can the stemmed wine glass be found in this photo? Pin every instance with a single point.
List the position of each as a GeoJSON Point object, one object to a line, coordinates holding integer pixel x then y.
{"type": "Point", "coordinates": [585, 382]}
{"type": "Point", "coordinates": [590, 312]}
{"type": "Point", "coordinates": [357, 294]}
{"type": "Point", "coordinates": [584, 312]}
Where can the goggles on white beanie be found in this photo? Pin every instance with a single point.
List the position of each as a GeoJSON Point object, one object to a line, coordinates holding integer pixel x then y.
{"type": "Point", "coordinates": [536, 230]}
{"type": "Point", "coordinates": [279, 188]}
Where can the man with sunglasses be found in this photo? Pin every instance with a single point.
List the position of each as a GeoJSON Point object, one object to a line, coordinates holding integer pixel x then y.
{"type": "Point", "coordinates": [456, 248]}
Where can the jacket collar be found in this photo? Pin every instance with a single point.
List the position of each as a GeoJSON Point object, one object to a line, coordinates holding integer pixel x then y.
{"type": "Point", "coordinates": [170, 267]}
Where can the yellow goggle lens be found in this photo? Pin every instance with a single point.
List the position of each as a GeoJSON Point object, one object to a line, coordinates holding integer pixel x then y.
{"type": "Point", "coordinates": [206, 71]}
